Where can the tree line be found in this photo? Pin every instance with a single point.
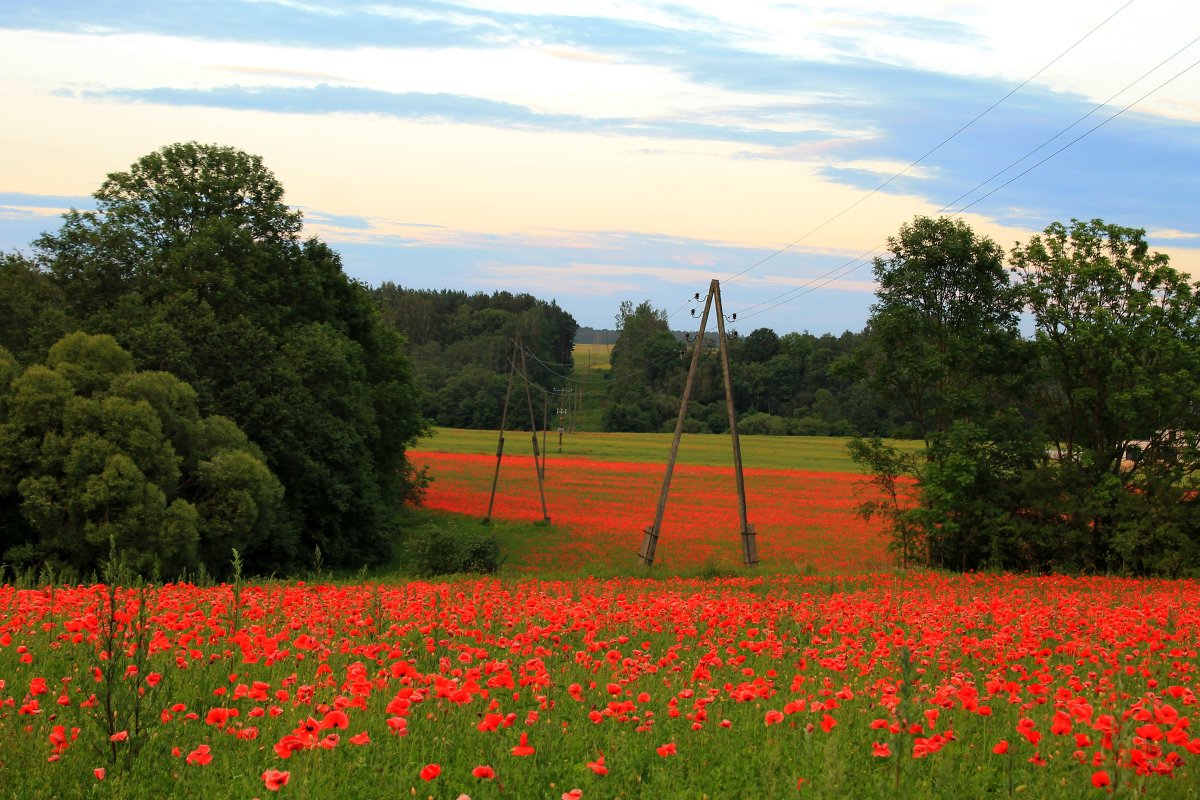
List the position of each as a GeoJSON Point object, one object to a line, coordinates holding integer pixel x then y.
{"type": "Point", "coordinates": [794, 384]}
{"type": "Point", "coordinates": [462, 348]}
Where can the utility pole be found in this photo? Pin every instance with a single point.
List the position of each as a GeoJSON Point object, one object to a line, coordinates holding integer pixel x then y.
{"type": "Point", "coordinates": [538, 463]}
{"type": "Point", "coordinates": [512, 366]}
{"type": "Point", "coordinates": [537, 460]}
{"type": "Point", "coordinates": [651, 534]}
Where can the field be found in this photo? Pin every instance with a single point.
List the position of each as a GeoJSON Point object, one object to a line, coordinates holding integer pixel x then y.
{"type": "Point", "coordinates": [825, 673]}
{"type": "Point", "coordinates": [781, 686]}
{"type": "Point", "coordinates": [602, 491]}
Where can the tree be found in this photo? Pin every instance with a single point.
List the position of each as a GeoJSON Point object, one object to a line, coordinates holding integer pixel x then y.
{"type": "Point", "coordinates": [32, 313]}
{"type": "Point", "coordinates": [193, 263]}
{"type": "Point", "coordinates": [1117, 346]}
{"type": "Point", "coordinates": [943, 340]}
{"type": "Point", "coordinates": [943, 334]}
{"type": "Point", "coordinates": [96, 453]}
{"type": "Point", "coordinates": [645, 360]}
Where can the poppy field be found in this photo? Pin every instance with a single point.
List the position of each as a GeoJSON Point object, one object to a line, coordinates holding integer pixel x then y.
{"type": "Point", "coordinates": [825, 673]}
{"type": "Point", "coordinates": [598, 510]}
{"type": "Point", "coordinates": [876, 685]}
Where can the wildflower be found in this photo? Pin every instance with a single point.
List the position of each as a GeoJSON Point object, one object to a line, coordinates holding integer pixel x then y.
{"type": "Point", "coordinates": [523, 748]}
{"type": "Point", "coordinates": [275, 779]}
{"type": "Point", "coordinates": [430, 771]}
{"type": "Point", "coordinates": [201, 755]}
{"type": "Point", "coordinates": [483, 772]}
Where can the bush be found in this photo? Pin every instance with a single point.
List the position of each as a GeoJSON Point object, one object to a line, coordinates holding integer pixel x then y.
{"type": "Point", "coordinates": [447, 550]}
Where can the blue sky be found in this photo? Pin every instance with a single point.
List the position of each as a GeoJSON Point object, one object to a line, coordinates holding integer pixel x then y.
{"type": "Point", "coordinates": [592, 152]}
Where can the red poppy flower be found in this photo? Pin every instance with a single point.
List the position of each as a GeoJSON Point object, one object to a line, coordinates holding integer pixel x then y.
{"type": "Point", "coordinates": [523, 748]}
{"type": "Point", "coordinates": [99, 773]}
{"type": "Point", "coordinates": [880, 750]}
{"type": "Point", "coordinates": [275, 779]}
{"type": "Point", "coordinates": [430, 771]}
{"type": "Point", "coordinates": [1001, 747]}
{"type": "Point", "coordinates": [667, 749]}
{"type": "Point", "coordinates": [484, 772]}
{"type": "Point", "coordinates": [1100, 779]}
{"type": "Point", "coordinates": [773, 717]}
{"type": "Point", "coordinates": [201, 755]}
{"type": "Point", "coordinates": [597, 766]}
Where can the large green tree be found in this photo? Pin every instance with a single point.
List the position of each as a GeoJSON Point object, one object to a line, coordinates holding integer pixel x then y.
{"type": "Point", "coordinates": [943, 341]}
{"type": "Point", "coordinates": [193, 262]}
{"type": "Point", "coordinates": [1117, 348]}
{"type": "Point", "coordinates": [1109, 384]}
{"type": "Point", "coordinates": [93, 452]}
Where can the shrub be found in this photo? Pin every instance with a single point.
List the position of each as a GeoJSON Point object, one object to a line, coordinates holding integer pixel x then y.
{"type": "Point", "coordinates": [448, 549]}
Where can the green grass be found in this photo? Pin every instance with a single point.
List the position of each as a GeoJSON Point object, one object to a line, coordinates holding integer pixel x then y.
{"type": "Point", "coordinates": [811, 453]}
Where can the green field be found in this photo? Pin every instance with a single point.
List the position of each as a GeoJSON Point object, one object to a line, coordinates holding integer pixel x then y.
{"type": "Point", "coordinates": [812, 453]}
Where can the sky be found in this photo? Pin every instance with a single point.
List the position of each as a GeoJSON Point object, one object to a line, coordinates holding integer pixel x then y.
{"type": "Point", "coordinates": [594, 151]}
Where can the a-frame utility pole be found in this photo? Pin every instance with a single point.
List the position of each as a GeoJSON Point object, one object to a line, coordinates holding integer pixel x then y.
{"type": "Point", "coordinates": [538, 461]}
{"type": "Point", "coordinates": [749, 544]}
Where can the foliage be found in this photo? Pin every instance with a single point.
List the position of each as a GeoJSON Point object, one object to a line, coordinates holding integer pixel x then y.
{"type": "Point", "coordinates": [95, 455]}
{"type": "Point", "coordinates": [647, 371]}
{"type": "Point", "coordinates": [1117, 386]}
{"type": "Point", "coordinates": [450, 549]}
{"type": "Point", "coordinates": [194, 264]}
{"type": "Point", "coordinates": [1109, 384]}
{"type": "Point", "coordinates": [462, 347]}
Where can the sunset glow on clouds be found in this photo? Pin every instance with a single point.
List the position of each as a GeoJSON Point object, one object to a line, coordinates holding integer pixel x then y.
{"type": "Point", "coordinates": [595, 152]}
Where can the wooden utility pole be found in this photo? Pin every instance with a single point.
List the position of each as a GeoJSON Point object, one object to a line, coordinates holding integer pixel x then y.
{"type": "Point", "coordinates": [651, 534]}
{"type": "Point", "coordinates": [538, 463]}
{"type": "Point", "coordinates": [749, 543]}
{"type": "Point", "coordinates": [512, 367]}
{"type": "Point", "coordinates": [537, 460]}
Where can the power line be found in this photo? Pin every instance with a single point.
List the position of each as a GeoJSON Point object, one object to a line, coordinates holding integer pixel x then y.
{"type": "Point", "coordinates": [933, 150]}
{"type": "Point", "coordinates": [846, 268]}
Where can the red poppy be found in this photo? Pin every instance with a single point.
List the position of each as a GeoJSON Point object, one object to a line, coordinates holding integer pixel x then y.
{"type": "Point", "coordinates": [773, 717]}
{"type": "Point", "coordinates": [201, 755]}
{"type": "Point", "coordinates": [1100, 779]}
{"type": "Point", "coordinates": [524, 748]}
{"type": "Point", "coordinates": [275, 779]}
{"type": "Point", "coordinates": [430, 771]}
{"type": "Point", "coordinates": [597, 766]}
{"type": "Point", "coordinates": [880, 750]}
{"type": "Point", "coordinates": [484, 772]}
{"type": "Point", "coordinates": [1001, 747]}
{"type": "Point", "coordinates": [99, 773]}
{"type": "Point", "coordinates": [667, 749]}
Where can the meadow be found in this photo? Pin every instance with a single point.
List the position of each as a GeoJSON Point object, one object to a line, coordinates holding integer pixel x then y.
{"type": "Point", "coordinates": [575, 673]}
